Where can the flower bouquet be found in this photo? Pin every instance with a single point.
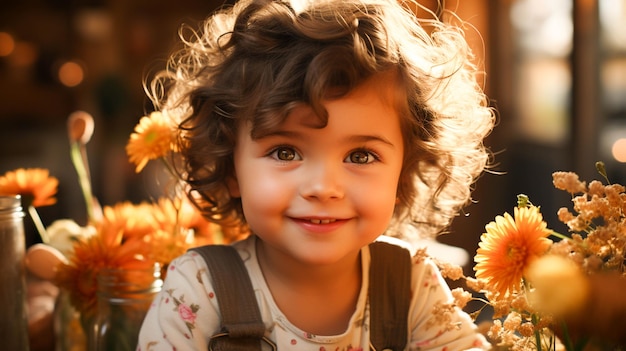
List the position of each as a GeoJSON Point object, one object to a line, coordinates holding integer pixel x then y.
{"type": "Point", "coordinates": [551, 291]}
{"type": "Point", "coordinates": [119, 238]}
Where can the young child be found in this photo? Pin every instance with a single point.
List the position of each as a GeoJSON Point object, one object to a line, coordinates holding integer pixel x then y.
{"type": "Point", "coordinates": [319, 126]}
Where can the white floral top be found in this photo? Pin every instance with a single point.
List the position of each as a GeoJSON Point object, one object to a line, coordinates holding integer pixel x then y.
{"type": "Point", "coordinates": [185, 314]}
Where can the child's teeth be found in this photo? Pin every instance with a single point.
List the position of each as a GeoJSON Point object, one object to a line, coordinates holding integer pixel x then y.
{"type": "Point", "coordinates": [322, 221]}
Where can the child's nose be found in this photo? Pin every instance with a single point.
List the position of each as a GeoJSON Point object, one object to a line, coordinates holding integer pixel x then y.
{"type": "Point", "coordinates": [323, 181]}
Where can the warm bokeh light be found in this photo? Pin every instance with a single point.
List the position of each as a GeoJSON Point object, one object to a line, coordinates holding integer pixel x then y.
{"type": "Point", "coordinates": [619, 150]}
{"type": "Point", "coordinates": [7, 44]}
{"type": "Point", "coordinates": [71, 74]}
{"type": "Point", "coordinates": [25, 54]}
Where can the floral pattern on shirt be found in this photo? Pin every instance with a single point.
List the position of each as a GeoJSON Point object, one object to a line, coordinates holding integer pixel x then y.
{"type": "Point", "coordinates": [187, 312]}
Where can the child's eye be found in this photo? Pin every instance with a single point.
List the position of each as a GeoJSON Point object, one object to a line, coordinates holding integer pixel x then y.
{"type": "Point", "coordinates": [361, 157]}
{"type": "Point", "coordinates": [285, 153]}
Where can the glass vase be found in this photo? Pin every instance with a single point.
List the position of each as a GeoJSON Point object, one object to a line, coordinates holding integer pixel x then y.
{"type": "Point", "coordinates": [68, 327]}
{"type": "Point", "coordinates": [13, 316]}
{"type": "Point", "coordinates": [124, 297]}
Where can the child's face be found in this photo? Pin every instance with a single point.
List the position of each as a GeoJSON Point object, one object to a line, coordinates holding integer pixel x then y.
{"type": "Point", "coordinates": [319, 195]}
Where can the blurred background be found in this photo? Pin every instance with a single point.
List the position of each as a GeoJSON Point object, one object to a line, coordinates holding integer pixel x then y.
{"type": "Point", "coordinates": [555, 72]}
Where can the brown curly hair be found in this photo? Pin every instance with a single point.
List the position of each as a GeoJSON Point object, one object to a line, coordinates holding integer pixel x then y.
{"type": "Point", "coordinates": [257, 60]}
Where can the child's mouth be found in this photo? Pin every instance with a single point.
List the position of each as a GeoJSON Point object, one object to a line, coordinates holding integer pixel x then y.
{"type": "Point", "coordinates": [321, 221]}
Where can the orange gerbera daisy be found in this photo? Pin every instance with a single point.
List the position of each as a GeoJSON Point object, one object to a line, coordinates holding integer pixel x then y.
{"type": "Point", "coordinates": [35, 185]}
{"type": "Point", "coordinates": [105, 250]}
{"type": "Point", "coordinates": [153, 138]}
{"type": "Point", "coordinates": [509, 246]}
{"type": "Point", "coordinates": [133, 220]}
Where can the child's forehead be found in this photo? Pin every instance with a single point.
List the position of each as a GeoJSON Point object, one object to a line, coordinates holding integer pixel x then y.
{"type": "Point", "coordinates": [385, 86]}
{"type": "Point", "coordinates": [372, 94]}
{"type": "Point", "coordinates": [384, 89]}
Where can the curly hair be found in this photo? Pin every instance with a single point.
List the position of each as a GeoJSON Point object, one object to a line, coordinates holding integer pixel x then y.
{"type": "Point", "coordinates": [259, 59]}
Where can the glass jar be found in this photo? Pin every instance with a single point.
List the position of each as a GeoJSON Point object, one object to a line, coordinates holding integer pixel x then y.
{"type": "Point", "coordinates": [124, 297]}
{"type": "Point", "coordinates": [13, 317]}
{"type": "Point", "coordinates": [69, 329]}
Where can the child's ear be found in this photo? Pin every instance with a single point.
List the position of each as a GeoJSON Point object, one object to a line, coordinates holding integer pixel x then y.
{"type": "Point", "coordinates": [233, 186]}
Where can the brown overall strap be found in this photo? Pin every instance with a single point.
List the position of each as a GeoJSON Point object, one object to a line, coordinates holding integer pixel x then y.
{"type": "Point", "coordinates": [389, 296]}
{"type": "Point", "coordinates": [242, 324]}
{"type": "Point", "coordinates": [243, 327]}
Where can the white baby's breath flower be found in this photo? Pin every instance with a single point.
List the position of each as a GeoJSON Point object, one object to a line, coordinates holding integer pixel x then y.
{"type": "Point", "coordinates": [64, 232]}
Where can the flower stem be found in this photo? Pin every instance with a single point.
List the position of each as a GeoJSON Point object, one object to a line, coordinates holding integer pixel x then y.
{"type": "Point", "coordinates": [535, 320]}
{"type": "Point", "coordinates": [34, 215]}
{"type": "Point", "coordinates": [559, 235]}
{"type": "Point", "coordinates": [569, 346]}
{"type": "Point", "coordinates": [569, 343]}
{"type": "Point", "coordinates": [83, 177]}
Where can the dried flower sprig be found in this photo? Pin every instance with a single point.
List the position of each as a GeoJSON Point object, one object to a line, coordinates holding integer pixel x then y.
{"type": "Point", "coordinates": [597, 223]}
{"type": "Point", "coordinates": [534, 284]}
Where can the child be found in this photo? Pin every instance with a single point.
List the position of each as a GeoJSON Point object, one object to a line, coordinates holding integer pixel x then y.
{"type": "Point", "coordinates": [319, 126]}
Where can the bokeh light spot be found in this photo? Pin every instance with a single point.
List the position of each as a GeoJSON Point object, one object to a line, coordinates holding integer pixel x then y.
{"type": "Point", "coordinates": [7, 44]}
{"type": "Point", "coordinates": [71, 74]}
{"type": "Point", "coordinates": [619, 150]}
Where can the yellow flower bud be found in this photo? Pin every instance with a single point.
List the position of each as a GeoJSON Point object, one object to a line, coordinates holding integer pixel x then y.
{"type": "Point", "coordinates": [80, 127]}
{"type": "Point", "coordinates": [558, 285]}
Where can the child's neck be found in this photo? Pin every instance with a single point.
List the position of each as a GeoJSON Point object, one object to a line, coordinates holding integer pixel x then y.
{"type": "Point", "coordinates": [317, 299]}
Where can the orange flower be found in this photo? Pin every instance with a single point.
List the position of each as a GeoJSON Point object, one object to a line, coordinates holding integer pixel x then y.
{"type": "Point", "coordinates": [509, 246]}
{"type": "Point", "coordinates": [153, 138]}
{"type": "Point", "coordinates": [130, 219]}
{"type": "Point", "coordinates": [129, 236]}
{"type": "Point", "coordinates": [102, 251]}
{"type": "Point", "coordinates": [33, 184]}
{"type": "Point", "coordinates": [166, 246]}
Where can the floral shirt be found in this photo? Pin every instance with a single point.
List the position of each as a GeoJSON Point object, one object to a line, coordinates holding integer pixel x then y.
{"type": "Point", "coordinates": [185, 314]}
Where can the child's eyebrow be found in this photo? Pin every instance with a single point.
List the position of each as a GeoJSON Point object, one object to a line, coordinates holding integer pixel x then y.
{"type": "Point", "coordinates": [366, 138]}
{"type": "Point", "coordinates": [279, 133]}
